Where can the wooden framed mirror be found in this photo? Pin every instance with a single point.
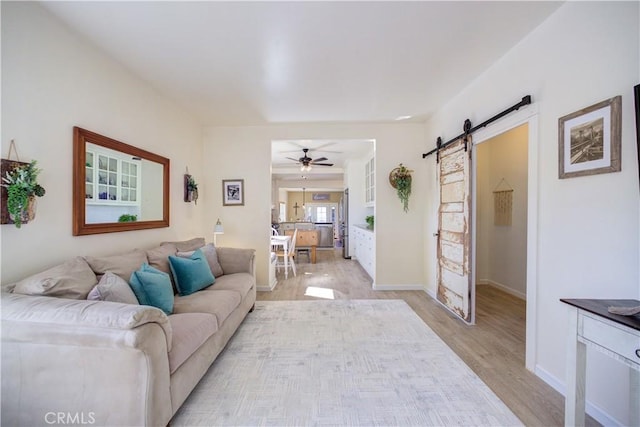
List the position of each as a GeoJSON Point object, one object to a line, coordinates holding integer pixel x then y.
{"type": "Point", "coordinates": [116, 186]}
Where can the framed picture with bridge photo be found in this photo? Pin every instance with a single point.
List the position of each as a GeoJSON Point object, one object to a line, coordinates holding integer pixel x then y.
{"type": "Point", "coordinates": [590, 140]}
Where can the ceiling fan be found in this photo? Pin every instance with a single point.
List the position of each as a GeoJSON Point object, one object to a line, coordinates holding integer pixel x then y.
{"type": "Point", "coordinates": [306, 162]}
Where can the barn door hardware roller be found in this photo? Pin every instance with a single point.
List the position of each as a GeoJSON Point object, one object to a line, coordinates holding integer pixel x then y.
{"type": "Point", "coordinates": [468, 130]}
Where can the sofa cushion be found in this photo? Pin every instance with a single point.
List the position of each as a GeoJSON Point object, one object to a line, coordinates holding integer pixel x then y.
{"type": "Point", "coordinates": [187, 245]}
{"type": "Point", "coordinates": [73, 279]}
{"type": "Point", "coordinates": [236, 260]}
{"type": "Point", "coordinates": [152, 287]}
{"type": "Point", "coordinates": [122, 264]}
{"type": "Point", "coordinates": [158, 257]}
{"type": "Point", "coordinates": [209, 252]}
{"type": "Point", "coordinates": [112, 287]}
{"type": "Point", "coordinates": [191, 274]}
{"type": "Point", "coordinates": [217, 302]}
{"type": "Point", "coordinates": [189, 331]}
{"type": "Point", "coordinates": [239, 282]}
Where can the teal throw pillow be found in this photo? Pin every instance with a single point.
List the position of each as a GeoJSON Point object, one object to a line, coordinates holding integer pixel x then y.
{"type": "Point", "coordinates": [152, 287]}
{"type": "Point", "coordinates": [191, 274]}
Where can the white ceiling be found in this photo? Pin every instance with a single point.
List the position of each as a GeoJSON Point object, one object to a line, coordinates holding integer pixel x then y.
{"type": "Point", "coordinates": [338, 152]}
{"type": "Point", "coordinates": [251, 63]}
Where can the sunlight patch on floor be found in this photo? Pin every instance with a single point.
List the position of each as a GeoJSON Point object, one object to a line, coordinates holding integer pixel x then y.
{"type": "Point", "coordinates": [324, 293]}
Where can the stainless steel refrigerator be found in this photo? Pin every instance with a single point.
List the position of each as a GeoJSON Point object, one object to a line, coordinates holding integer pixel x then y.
{"type": "Point", "coordinates": [344, 224]}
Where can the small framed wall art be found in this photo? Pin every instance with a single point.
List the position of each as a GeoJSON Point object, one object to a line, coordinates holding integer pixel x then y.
{"type": "Point", "coordinates": [233, 192]}
{"type": "Point", "coordinates": [589, 140]}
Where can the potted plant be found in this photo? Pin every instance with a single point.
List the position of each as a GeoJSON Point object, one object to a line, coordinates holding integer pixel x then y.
{"type": "Point", "coordinates": [369, 220]}
{"type": "Point", "coordinates": [22, 188]}
{"type": "Point", "coordinates": [127, 218]}
{"type": "Point", "coordinates": [191, 189]}
{"type": "Point", "coordinates": [400, 179]}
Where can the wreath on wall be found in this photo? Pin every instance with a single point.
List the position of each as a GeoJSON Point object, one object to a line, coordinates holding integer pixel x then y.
{"type": "Point", "coordinates": [400, 179]}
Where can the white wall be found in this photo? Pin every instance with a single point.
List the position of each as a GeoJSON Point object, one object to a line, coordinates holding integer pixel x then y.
{"type": "Point", "coordinates": [502, 249]}
{"type": "Point", "coordinates": [225, 152]}
{"type": "Point", "coordinates": [53, 80]}
{"type": "Point", "coordinates": [151, 204]}
{"type": "Point", "coordinates": [587, 240]}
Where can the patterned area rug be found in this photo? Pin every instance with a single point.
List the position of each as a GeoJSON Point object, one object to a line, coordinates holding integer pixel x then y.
{"type": "Point", "coordinates": [340, 363]}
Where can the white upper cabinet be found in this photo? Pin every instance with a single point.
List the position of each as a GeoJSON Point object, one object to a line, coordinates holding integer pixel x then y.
{"type": "Point", "coordinates": [370, 182]}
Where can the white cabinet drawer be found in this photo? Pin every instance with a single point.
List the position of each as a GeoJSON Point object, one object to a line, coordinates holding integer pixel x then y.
{"type": "Point", "coordinates": [621, 342]}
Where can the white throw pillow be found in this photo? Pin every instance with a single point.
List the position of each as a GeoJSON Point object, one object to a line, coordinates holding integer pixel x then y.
{"type": "Point", "coordinates": [112, 287]}
{"type": "Point", "coordinates": [73, 279]}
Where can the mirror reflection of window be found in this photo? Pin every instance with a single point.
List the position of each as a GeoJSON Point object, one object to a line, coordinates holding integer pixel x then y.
{"type": "Point", "coordinates": [120, 186]}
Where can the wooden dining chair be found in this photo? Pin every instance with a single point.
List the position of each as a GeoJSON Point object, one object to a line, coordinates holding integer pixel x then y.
{"type": "Point", "coordinates": [274, 232]}
{"type": "Point", "coordinates": [290, 254]}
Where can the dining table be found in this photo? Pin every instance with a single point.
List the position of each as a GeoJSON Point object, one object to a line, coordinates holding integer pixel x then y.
{"type": "Point", "coordinates": [284, 242]}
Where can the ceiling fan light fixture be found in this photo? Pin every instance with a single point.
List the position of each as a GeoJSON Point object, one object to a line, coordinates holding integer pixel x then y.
{"type": "Point", "coordinates": [305, 168]}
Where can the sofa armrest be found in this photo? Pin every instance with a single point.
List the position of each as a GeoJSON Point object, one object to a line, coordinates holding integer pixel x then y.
{"type": "Point", "coordinates": [82, 313]}
{"type": "Point", "coordinates": [106, 362]}
{"type": "Point", "coordinates": [236, 260]}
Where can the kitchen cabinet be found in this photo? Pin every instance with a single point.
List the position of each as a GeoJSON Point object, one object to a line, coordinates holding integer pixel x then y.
{"type": "Point", "coordinates": [111, 180]}
{"type": "Point", "coordinates": [365, 249]}
{"type": "Point", "coordinates": [306, 239]}
{"type": "Point", "coordinates": [370, 182]}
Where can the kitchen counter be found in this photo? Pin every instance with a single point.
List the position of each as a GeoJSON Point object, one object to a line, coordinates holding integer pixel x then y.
{"type": "Point", "coordinates": [297, 225]}
{"type": "Point", "coordinates": [324, 229]}
{"type": "Point", "coordinates": [364, 227]}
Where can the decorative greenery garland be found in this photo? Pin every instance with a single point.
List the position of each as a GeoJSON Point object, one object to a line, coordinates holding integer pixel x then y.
{"type": "Point", "coordinates": [400, 179]}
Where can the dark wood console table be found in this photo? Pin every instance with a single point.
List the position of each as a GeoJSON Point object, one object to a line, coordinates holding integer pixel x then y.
{"type": "Point", "coordinates": [616, 336]}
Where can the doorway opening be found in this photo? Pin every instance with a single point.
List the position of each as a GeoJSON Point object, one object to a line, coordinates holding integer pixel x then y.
{"type": "Point", "coordinates": [505, 214]}
{"type": "Point", "coordinates": [501, 211]}
{"type": "Point", "coordinates": [501, 200]}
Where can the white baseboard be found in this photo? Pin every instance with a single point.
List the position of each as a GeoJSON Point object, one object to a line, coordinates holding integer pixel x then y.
{"type": "Point", "coordinates": [403, 287]}
{"type": "Point", "coordinates": [504, 288]}
{"type": "Point", "coordinates": [266, 288]}
{"type": "Point", "coordinates": [596, 412]}
{"type": "Point", "coordinates": [431, 293]}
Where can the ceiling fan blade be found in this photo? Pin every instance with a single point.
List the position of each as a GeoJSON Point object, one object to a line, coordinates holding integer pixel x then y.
{"type": "Point", "coordinates": [322, 164]}
{"type": "Point", "coordinates": [295, 160]}
{"type": "Point", "coordinates": [320, 159]}
{"type": "Point", "coordinates": [328, 144]}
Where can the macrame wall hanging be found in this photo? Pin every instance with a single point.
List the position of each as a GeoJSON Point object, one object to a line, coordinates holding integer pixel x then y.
{"type": "Point", "coordinates": [502, 203]}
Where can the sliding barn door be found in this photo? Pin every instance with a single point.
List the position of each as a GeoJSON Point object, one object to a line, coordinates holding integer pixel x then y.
{"type": "Point", "coordinates": [454, 237]}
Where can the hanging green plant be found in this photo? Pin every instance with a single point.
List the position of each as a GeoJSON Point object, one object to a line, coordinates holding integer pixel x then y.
{"type": "Point", "coordinates": [400, 179]}
{"type": "Point", "coordinates": [22, 188]}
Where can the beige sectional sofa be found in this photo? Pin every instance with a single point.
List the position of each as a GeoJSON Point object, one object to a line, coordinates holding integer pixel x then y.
{"type": "Point", "coordinates": [75, 361]}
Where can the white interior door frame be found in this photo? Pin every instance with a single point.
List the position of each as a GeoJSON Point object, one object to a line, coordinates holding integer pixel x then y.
{"type": "Point", "coordinates": [529, 115]}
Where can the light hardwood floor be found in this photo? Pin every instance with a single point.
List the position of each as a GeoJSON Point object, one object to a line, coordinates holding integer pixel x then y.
{"type": "Point", "coordinates": [493, 348]}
